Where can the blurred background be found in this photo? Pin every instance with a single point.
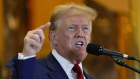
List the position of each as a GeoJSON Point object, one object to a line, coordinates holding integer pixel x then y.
{"type": "Point", "coordinates": [117, 27]}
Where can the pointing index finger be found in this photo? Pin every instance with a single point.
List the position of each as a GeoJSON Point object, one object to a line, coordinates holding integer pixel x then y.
{"type": "Point", "coordinates": [44, 27]}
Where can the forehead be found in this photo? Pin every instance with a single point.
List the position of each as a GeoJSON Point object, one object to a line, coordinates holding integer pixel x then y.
{"type": "Point", "coordinates": [76, 19]}
{"type": "Point", "coordinates": [74, 16]}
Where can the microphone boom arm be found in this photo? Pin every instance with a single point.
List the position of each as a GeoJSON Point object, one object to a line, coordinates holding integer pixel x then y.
{"type": "Point", "coordinates": [118, 60]}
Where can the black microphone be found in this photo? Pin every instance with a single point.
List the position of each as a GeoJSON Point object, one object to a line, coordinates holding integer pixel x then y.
{"type": "Point", "coordinates": [99, 50]}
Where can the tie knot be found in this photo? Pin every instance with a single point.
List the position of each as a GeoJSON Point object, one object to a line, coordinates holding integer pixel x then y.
{"type": "Point", "coordinates": [77, 70]}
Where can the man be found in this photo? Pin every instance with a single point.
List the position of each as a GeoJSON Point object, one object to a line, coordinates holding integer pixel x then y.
{"type": "Point", "coordinates": [70, 29]}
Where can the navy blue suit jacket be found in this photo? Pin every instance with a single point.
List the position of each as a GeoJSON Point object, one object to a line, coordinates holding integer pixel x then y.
{"type": "Point", "coordinates": [47, 68]}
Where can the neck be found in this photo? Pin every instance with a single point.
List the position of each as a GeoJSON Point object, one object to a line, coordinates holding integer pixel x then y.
{"type": "Point", "coordinates": [73, 58]}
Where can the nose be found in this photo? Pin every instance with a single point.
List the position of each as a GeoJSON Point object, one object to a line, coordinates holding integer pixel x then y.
{"type": "Point", "coordinates": [79, 33]}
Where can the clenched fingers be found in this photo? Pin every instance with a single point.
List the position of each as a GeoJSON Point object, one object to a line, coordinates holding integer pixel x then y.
{"type": "Point", "coordinates": [34, 39]}
{"type": "Point", "coordinates": [37, 34]}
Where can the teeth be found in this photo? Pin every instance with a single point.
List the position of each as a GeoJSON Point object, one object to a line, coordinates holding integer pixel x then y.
{"type": "Point", "coordinates": [79, 43]}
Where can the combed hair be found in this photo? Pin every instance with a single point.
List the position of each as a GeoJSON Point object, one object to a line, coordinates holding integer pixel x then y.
{"type": "Point", "coordinates": [62, 9]}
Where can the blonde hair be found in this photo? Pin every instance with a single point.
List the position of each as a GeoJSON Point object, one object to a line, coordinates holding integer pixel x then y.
{"type": "Point", "coordinates": [62, 9]}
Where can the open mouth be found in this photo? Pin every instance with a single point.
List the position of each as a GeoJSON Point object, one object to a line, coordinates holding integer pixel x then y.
{"type": "Point", "coordinates": [79, 43]}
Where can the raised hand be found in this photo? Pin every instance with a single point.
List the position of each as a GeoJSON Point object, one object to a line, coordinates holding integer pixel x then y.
{"type": "Point", "coordinates": [34, 39]}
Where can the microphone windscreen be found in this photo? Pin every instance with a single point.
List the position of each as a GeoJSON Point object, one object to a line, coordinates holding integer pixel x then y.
{"type": "Point", "coordinates": [93, 49]}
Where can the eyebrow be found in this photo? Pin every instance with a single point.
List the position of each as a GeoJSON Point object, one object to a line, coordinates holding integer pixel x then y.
{"type": "Point", "coordinates": [77, 24]}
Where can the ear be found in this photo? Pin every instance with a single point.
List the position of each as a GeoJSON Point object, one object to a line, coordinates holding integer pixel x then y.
{"type": "Point", "coordinates": [53, 37]}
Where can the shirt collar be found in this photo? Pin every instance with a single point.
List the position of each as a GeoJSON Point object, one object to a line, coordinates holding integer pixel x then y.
{"type": "Point", "coordinates": [65, 64]}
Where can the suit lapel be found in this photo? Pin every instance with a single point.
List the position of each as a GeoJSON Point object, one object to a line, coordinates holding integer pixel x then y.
{"type": "Point", "coordinates": [86, 76]}
{"type": "Point", "coordinates": [56, 71]}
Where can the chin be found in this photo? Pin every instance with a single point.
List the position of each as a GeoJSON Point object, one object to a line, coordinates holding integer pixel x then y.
{"type": "Point", "coordinates": [81, 58]}
{"type": "Point", "coordinates": [82, 55]}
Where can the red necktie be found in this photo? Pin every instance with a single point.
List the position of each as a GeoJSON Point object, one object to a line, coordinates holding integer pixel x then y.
{"type": "Point", "coordinates": [77, 70]}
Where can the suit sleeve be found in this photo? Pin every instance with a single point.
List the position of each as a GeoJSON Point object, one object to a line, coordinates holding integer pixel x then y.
{"type": "Point", "coordinates": [22, 69]}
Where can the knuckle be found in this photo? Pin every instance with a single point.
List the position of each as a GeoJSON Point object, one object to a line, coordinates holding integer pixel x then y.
{"type": "Point", "coordinates": [29, 32]}
{"type": "Point", "coordinates": [38, 30]}
{"type": "Point", "coordinates": [37, 37]}
{"type": "Point", "coordinates": [43, 37]}
{"type": "Point", "coordinates": [25, 39]}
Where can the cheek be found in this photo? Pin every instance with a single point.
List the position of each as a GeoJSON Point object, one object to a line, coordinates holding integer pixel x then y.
{"type": "Point", "coordinates": [69, 38]}
{"type": "Point", "coordinates": [65, 38]}
{"type": "Point", "coordinates": [69, 35]}
{"type": "Point", "coordinates": [88, 37]}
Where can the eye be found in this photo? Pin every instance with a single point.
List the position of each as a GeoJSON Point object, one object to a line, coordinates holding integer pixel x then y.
{"type": "Point", "coordinates": [85, 28]}
{"type": "Point", "coordinates": [71, 28]}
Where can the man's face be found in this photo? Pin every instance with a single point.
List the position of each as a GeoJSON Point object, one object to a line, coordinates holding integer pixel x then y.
{"type": "Point", "coordinates": [73, 35]}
